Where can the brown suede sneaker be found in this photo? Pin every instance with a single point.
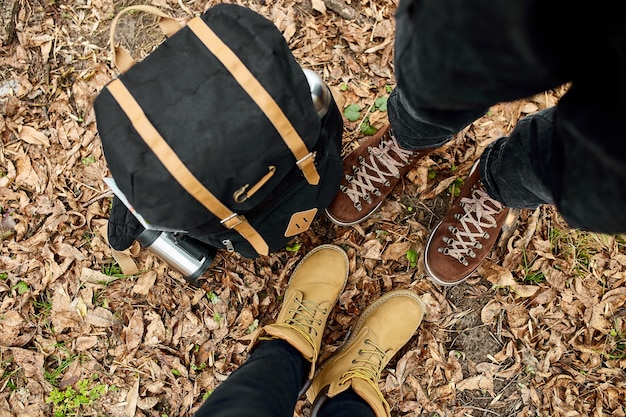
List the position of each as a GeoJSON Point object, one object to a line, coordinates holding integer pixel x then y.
{"type": "Point", "coordinates": [465, 236]}
{"type": "Point", "coordinates": [370, 173]}
{"type": "Point", "coordinates": [381, 331]}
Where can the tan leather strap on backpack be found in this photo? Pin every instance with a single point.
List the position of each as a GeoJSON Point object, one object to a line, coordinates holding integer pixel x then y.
{"type": "Point", "coordinates": [120, 56]}
{"type": "Point", "coordinates": [179, 170]}
{"type": "Point", "coordinates": [304, 158]}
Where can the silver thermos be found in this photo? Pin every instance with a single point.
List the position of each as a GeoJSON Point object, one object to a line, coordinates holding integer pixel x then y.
{"type": "Point", "coordinates": [320, 93]}
{"type": "Point", "coordinates": [192, 257]}
{"type": "Point", "coordinates": [186, 255]}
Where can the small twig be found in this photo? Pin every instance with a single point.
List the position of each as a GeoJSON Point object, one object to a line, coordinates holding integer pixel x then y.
{"type": "Point", "coordinates": [105, 194]}
{"type": "Point", "coordinates": [481, 409]}
{"type": "Point", "coordinates": [185, 8]}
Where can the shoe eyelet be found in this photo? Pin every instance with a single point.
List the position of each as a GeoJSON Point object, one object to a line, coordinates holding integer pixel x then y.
{"type": "Point", "coordinates": [486, 235]}
{"type": "Point", "coordinates": [358, 206]}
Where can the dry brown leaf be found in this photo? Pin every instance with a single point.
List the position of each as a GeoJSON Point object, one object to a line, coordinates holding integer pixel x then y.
{"type": "Point", "coordinates": [502, 277]}
{"type": "Point", "coordinates": [372, 249]}
{"type": "Point", "coordinates": [131, 400]}
{"type": "Point", "coordinates": [144, 283]}
{"type": "Point", "coordinates": [530, 108]}
{"type": "Point", "coordinates": [72, 375]}
{"type": "Point", "coordinates": [133, 333]}
{"type": "Point", "coordinates": [155, 332]}
{"type": "Point", "coordinates": [84, 343]}
{"type": "Point", "coordinates": [95, 277]}
{"type": "Point", "coordinates": [439, 188]}
{"type": "Point", "coordinates": [30, 361]}
{"type": "Point", "coordinates": [476, 382]}
{"type": "Point", "coordinates": [100, 317]}
{"type": "Point", "coordinates": [319, 6]}
{"type": "Point", "coordinates": [396, 251]}
{"type": "Point", "coordinates": [490, 311]}
{"type": "Point", "coordinates": [33, 136]}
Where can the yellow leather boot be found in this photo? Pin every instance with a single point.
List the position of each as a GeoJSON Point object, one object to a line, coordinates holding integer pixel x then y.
{"type": "Point", "coordinates": [314, 288]}
{"type": "Point", "coordinates": [382, 330]}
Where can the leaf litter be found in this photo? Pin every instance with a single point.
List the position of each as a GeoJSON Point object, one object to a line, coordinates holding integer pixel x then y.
{"type": "Point", "coordinates": [538, 330]}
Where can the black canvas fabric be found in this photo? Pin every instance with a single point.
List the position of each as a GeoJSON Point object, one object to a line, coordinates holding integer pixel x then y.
{"type": "Point", "coordinates": [219, 133]}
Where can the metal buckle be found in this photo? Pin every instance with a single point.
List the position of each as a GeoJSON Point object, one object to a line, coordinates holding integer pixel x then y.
{"type": "Point", "coordinates": [231, 217]}
{"type": "Point", "coordinates": [304, 159]}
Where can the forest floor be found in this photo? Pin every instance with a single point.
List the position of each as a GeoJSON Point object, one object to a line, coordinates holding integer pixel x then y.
{"type": "Point", "coordinates": [539, 330]}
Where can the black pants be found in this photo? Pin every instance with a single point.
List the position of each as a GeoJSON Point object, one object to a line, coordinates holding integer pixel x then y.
{"type": "Point", "coordinates": [456, 58]}
{"type": "Point", "coordinates": [267, 385]}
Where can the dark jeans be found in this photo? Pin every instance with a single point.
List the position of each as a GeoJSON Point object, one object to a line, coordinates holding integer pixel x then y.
{"type": "Point", "coordinates": [456, 58]}
{"type": "Point", "coordinates": [268, 384]}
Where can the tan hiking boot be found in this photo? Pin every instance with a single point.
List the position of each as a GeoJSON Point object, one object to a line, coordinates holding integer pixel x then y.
{"type": "Point", "coordinates": [369, 174]}
{"type": "Point", "coordinates": [314, 288]}
{"type": "Point", "coordinates": [383, 329]}
{"type": "Point", "coordinates": [458, 245]}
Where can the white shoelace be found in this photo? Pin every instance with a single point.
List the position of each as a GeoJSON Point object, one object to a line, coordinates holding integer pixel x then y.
{"type": "Point", "coordinates": [480, 210]}
{"type": "Point", "coordinates": [370, 170]}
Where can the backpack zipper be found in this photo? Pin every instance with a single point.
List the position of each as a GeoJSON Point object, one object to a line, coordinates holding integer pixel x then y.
{"type": "Point", "coordinates": [229, 245]}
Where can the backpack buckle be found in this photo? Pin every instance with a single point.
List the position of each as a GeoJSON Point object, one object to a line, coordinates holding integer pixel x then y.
{"type": "Point", "coordinates": [307, 166]}
{"type": "Point", "coordinates": [232, 221]}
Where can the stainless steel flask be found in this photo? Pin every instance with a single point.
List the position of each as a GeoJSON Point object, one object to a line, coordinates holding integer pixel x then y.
{"type": "Point", "coordinates": [186, 255]}
{"type": "Point", "coordinates": [320, 93]}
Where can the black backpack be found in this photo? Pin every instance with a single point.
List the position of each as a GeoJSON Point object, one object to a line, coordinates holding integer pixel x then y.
{"type": "Point", "coordinates": [215, 135]}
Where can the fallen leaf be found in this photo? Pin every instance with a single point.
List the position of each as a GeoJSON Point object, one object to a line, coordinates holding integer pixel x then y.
{"type": "Point", "coordinates": [372, 249]}
{"type": "Point", "coordinates": [144, 283]}
{"type": "Point", "coordinates": [33, 136]}
{"type": "Point", "coordinates": [529, 108]}
{"type": "Point", "coordinates": [319, 5]}
{"type": "Point", "coordinates": [131, 400]}
{"type": "Point", "coordinates": [396, 251]}
{"type": "Point", "coordinates": [100, 317]}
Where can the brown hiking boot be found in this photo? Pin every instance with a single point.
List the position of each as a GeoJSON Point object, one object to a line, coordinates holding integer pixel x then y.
{"type": "Point", "coordinates": [369, 174]}
{"type": "Point", "coordinates": [383, 329]}
{"type": "Point", "coordinates": [458, 245]}
{"type": "Point", "coordinates": [314, 288]}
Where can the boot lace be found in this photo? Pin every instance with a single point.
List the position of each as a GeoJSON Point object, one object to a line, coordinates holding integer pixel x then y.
{"type": "Point", "coordinates": [480, 210]}
{"type": "Point", "coordinates": [370, 171]}
{"type": "Point", "coordinates": [303, 319]}
{"type": "Point", "coordinates": [368, 366]}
